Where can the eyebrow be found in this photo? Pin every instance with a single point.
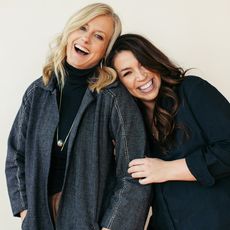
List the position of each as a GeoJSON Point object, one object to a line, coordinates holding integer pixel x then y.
{"type": "Point", "coordinates": [100, 31]}
{"type": "Point", "coordinates": [122, 70]}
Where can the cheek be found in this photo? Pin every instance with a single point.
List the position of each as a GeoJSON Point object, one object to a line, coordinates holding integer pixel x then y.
{"type": "Point", "coordinates": [68, 52]}
{"type": "Point", "coordinates": [100, 51]}
{"type": "Point", "coordinates": [100, 47]}
{"type": "Point", "coordinates": [126, 83]}
{"type": "Point", "coordinates": [159, 83]}
{"type": "Point", "coordinates": [68, 47]}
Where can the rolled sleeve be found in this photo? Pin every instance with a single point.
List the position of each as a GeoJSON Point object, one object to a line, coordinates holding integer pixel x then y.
{"type": "Point", "coordinates": [198, 167]}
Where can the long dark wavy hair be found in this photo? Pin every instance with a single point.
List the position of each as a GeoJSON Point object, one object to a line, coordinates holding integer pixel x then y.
{"type": "Point", "coordinates": [167, 101]}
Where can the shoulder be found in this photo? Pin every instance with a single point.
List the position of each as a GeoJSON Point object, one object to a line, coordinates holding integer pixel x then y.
{"type": "Point", "coordinates": [31, 88]}
{"type": "Point", "coordinates": [39, 84]}
{"type": "Point", "coordinates": [29, 94]}
{"type": "Point", "coordinates": [199, 92]}
{"type": "Point", "coordinates": [116, 97]}
{"type": "Point", "coordinates": [35, 84]}
{"type": "Point", "coordinates": [196, 86]}
{"type": "Point", "coordinates": [37, 87]}
{"type": "Point", "coordinates": [117, 90]}
{"type": "Point", "coordinates": [191, 81]}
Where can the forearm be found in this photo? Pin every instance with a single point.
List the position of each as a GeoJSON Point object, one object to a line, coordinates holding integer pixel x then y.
{"type": "Point", "coordinates": [15, 178]}
{"type": "Point", "coordinates": [129, 195]}
{"type": "Point", "coordinates": [178, 171]}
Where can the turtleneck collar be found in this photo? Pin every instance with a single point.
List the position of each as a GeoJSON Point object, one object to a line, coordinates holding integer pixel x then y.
{"type": "Point", "coordinates": [78, 76]}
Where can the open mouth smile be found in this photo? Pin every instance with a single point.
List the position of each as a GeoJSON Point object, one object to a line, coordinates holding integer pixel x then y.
{"type": "Point", "coordinates": [146, 87]}
{"type": "Point", "coordinates": [81, 50]}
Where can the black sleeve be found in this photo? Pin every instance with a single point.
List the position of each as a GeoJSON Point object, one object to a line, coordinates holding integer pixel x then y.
{"type": "Point", "coordinates": [212, 113]}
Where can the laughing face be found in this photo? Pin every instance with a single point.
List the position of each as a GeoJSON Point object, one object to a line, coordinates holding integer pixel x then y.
{"type": "Point", "coordinates": [87, 45]}
{"type": "Point", "coordinates": [139, 81]}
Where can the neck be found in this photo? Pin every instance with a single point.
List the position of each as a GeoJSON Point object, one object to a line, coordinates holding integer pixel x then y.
{"type": "Point", "coordinates": [78, 76]}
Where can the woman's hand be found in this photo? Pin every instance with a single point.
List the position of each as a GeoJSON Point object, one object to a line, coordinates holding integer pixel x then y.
{"type": "Point", "coordinates": [105, 229]}
{"type": "Point", "coordinates": [23, 214]}
{"type": "Point", "coordinates": [154, 170]}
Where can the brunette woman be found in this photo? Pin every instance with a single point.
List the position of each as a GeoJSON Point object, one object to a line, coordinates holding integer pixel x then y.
{"type": "Point", "coordinates": [188, 123]}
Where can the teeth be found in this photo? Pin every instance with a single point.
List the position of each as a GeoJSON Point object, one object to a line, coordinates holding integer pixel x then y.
{"type": "Point", "coordinates": [81, 48]}
{"type": "Point", "coordinates": [146, 85]}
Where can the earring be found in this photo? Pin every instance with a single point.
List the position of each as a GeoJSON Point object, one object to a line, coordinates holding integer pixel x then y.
{"type": "Point", "coordinates": [101, 63]}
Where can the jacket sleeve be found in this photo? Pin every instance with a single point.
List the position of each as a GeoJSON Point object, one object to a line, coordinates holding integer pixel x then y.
{"type": "Point", "coordinates": [212, 113]}
{"type": "Point", "coordinates": [15, 161]}
{"type": "Point", "coordinates": [130, 202]}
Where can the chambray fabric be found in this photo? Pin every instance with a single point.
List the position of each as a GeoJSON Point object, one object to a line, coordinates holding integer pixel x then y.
{"type": "Point", "coordinates": [97, 189]}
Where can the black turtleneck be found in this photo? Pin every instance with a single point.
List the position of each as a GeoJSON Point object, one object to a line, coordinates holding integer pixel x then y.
{"type": "Point", "coordinates": [76, 83]}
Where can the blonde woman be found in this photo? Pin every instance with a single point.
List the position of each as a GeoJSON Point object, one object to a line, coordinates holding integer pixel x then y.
{"type": "Point", "coordinates": [63, 170]}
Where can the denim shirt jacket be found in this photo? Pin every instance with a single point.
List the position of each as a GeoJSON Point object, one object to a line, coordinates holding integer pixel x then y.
{"type": "Point", "coordinates": [97, 190]}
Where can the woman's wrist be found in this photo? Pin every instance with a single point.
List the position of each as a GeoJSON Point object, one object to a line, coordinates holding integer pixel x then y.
{"type": "Point", "coordinates": [177, 170]}
{"type": "Point", "coordinates": [23, 214]}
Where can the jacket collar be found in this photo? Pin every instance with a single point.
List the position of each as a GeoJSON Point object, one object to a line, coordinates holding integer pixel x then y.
{"type": "Point", "coordinates": [53, 84]}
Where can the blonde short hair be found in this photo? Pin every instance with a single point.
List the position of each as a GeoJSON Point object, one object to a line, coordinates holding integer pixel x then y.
{"type": "Point", "coordinates": [57, 54]}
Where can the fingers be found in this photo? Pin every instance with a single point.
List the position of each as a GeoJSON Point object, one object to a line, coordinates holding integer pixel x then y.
{"type": "Point", "coordinates": [145, 180]}
{"type": "Point", "coordinates": [139, 169]}
{"type": "Point", "coordinates": [138, 175]}
{"type": "Point", "coordinates": [134, 169]}
{"type": "Point", "coordinates": [136, 162]}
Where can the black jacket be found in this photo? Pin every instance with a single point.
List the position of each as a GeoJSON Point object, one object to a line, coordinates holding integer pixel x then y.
{"type": "Point", "coordinates": [204, 204]}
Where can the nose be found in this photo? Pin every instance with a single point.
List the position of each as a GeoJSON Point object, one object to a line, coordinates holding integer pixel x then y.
{"type": "Point", "coordinates": [85, 38]}
{"type": "Point", "coordinates": [141, 75]}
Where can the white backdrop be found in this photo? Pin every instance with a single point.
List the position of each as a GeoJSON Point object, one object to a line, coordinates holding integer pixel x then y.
{"type": "Point", "coordinates": [193, 33]}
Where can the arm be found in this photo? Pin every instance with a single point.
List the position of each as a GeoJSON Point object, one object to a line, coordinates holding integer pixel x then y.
{"type": "Point", "coordinates": [212, 113]}
{"type": "Point", "coordinates": [15, 162]}
{"type": "Point", "coordinates": [205, 164]}
{"type": "Point", "coordinates": [130, 202]}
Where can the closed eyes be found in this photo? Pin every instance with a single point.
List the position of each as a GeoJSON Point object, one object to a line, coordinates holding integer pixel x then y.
{"type": "Point", "coordinates": [126, 73]}
{"type": "Point", "coordinates": [83, 28]}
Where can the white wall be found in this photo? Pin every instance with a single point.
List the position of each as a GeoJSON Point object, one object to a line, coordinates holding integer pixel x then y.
{"type": "Point", "coordinates": [193, 33]}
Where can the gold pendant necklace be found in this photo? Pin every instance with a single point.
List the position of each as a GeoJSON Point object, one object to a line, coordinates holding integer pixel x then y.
{"type": "Point", "coordinates": [60, 142]}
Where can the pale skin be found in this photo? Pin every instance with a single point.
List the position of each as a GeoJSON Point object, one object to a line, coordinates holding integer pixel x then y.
{"type": "Point", "coordinates": [144, 85]}
{"type": "Point", "coordinates": [155, 170]}
{"type": "Point", "coordinates": [23, 214]}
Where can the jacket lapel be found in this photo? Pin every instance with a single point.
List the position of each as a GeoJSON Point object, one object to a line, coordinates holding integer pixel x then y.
{"type": "Point", "coordinates": [88, 98]}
